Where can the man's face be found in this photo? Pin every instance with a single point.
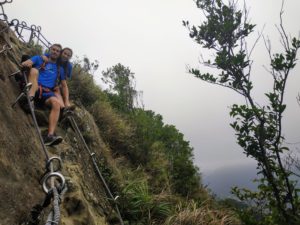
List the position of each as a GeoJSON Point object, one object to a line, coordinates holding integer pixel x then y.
{"type": "Point", "coordinates": [54, 52]}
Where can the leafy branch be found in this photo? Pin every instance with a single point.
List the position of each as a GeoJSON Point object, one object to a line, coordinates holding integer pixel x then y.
{"type": "Point", "coordinates": [258, 128]}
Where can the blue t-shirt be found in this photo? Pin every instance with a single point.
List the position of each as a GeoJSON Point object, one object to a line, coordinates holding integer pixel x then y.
{"type": "Point", "coordinates": [48, 74]}
{"type": "Point", "coordinates": [69, 67]}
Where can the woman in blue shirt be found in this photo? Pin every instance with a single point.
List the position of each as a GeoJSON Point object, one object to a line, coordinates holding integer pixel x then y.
{"type": "Point", "coordinates": [64, 61]}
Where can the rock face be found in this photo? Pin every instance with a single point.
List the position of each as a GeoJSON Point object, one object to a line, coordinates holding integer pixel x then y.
{"type": "Point", "coordinates": [22, 160]}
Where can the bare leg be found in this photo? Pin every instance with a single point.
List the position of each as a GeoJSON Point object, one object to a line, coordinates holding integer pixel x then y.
{"type": "Point", "coordinates": [53, 102]}
{"type": "Point", "coordinates": [57, 93]}
{"type": "Point", "coordinates": [33, 78]}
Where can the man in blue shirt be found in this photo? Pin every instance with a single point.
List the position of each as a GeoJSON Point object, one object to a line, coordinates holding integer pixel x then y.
{"type": "Point", "coordinates": [44, 78]}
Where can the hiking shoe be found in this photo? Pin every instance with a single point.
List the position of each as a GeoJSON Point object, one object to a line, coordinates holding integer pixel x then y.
{"type": "Point", "coordinates": [50, 140]}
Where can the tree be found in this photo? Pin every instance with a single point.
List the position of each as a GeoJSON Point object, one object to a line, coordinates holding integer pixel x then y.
{"type": "Point", "coordinates": [88, 66]}
{"type": "Point", "coordinates": [159, 142]}
{"type": "Point", "coordinates": [121, 87]}
{"type": "Point", "coordinates": [258, 128]}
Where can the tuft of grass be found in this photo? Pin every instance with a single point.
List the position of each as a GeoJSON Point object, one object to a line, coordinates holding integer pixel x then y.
{"type": "Point", "coordinates": [143, 207]}
{"type": "Point", "coordinates": [191, 214]}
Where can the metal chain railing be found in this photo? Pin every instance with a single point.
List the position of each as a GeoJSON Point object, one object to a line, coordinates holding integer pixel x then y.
{"type": "Point", "coordinates": [20, 28]}
{"type": "Point", "coordinates": [2, 13]}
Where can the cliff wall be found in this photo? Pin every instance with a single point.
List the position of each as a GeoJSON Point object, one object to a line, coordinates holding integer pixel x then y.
{"type": "Point", "coordinates": [22, 160]}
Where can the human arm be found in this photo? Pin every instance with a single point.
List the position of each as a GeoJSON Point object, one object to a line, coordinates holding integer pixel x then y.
{"type": "Point", "coordinates": [65, 93]}
{"type": "Point", "coordinates": [70, 67]}
{"type": "Point", "coordinates": [45, 58]}
{"type": "Point", "coordinates": [35, 61]}
{"type": "Point", "coordinates": [28, 63]}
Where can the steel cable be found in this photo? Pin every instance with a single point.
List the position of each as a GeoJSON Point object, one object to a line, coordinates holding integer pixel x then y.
{"type": "Point", "coordinates": [92, 155]}
{"type": "Point", "coordinates": [54, 215]}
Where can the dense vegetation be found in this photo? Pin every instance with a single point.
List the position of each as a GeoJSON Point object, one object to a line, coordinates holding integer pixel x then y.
{"type": "Point", "coordinates": [156, 178]}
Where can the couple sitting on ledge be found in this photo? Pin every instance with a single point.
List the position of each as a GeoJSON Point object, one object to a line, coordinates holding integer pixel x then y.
{"type": "Point", "coordinates": [48, 75]}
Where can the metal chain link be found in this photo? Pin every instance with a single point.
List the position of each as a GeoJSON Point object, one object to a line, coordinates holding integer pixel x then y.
{"type": "Point", "coordinates": [5, 49]}
{"type": "Point", "coordinates": [33, 31]}
{"type": "Point", "coordinates": [2, 9]}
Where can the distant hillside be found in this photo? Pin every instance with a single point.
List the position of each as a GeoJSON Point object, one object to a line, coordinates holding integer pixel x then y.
{"type": "Point", "coordinates": [221, 181]}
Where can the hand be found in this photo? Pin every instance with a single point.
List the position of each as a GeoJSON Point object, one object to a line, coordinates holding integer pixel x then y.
{"type": "Point", "coordinates": [28, 63]}
{"type": "Point", "coordinates": [45, 58]}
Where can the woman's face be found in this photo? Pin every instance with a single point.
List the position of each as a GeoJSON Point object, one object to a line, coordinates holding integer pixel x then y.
{"type": "Point", "coordinates": [66, 55]}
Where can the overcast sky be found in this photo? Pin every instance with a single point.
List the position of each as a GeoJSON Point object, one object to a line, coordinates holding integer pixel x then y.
{"type": "Point", "coordinates": [148, 37]}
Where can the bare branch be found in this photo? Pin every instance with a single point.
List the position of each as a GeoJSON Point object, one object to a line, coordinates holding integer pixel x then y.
{"type": "Point", "coordinates": [268, 47]}
{"type": "Point", "coordinates": [298, 99]}
{"type": "Point", "coordinates": [282, 30]}
{"type": "Point", "coordinates": [260, 34]}
{"type": "Point", "coordinates": [269, 71]}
